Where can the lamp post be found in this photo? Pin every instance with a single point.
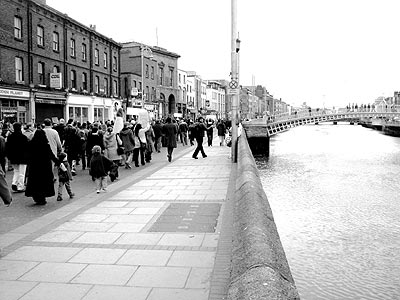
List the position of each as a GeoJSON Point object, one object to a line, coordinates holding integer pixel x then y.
{"type": "Point", "coordinates": [145, 51]}
{"type": "Point", "coordinates": [234, 84]}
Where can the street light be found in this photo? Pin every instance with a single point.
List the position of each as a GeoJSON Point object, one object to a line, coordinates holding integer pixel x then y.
{"type": "Point", "coordinates": [145, 51]}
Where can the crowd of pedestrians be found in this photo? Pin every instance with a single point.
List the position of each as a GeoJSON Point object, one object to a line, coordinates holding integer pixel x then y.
{"type": "Point", "coordinates": [43, 154]}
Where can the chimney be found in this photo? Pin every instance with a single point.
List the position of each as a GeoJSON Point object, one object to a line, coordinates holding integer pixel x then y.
{"type": "Point", "coordinates": [93, 27]}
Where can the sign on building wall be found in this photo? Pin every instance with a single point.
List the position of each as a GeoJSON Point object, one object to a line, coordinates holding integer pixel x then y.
{"type": "Point", "coordinates": [56, 80]}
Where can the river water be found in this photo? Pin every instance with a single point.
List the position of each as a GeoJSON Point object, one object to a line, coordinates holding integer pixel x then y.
{"type": "Point", "coordinates": [335, 194]}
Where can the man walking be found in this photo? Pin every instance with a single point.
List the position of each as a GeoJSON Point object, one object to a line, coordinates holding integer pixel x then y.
{"type": "Point", "coordinates": [54, 141]}
{"type": "Point", "coordinates": [183, 129]}
{"type": "Point", "coordinates": [199, 130]}
{"type": "Point", "coordinates": [17, 153]}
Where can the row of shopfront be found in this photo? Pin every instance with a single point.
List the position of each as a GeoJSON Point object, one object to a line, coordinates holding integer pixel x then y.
{"type": "Point", "coordinates": [33, 106]}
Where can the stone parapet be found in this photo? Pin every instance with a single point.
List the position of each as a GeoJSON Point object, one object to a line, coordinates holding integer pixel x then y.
{"type": "Point", "coordinates": [259, 266]}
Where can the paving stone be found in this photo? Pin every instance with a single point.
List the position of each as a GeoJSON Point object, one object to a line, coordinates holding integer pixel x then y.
{"type": "Point", "coordinates": [99, 292]}
{"type": "Point", "coordinates": [141, 219]}
{"type": "Point", "coordinates": [40, 253]}
{"type": "Point", "coordinates": [98, 238]}
{"type": "Point", "coordinates": [58, 236]}
{"type": "Point", "coordinates": [105, 274]}
{"type": "Point", "coordinates": [200, 259]}
{"type": "Point", "coordinates": [47, 291]}
{"type": "Point", "coordinates": [210, 240]}
{"type": "Point", "coordinates": [90, 218]}
{"type": "Point", "coordinates": [146, 204]}
{"type": "Point", "coordinates": [199, 278]}
{"type": "Point", "coordinates": [98, 256]}
{"type": "Point", "coordinates": [109, 210]}
{"type": "Point", "coordinates": [169, 277]}
{"type": "Point", "coordinates": [12, 269]}
{"type": "Point", "coordinates": [178, 294]}
{"type": "Point", "coordinates": [179, 239]}
{"type": "Point", "coordinates": [127, 227]}
{"type": "Point", "coordinates": [139, 238]}
{"type": "Point", "coordinates": [13, 290]}
{"type": "Point", "coordinates": [145, 257]}
{"type": "Point", "coordinates": [53, 272]}
{"type": "Point", "coordinates": [145, 211]}
{"type": "Point", "coordinates": [85, 226]}
{"type": "Point", "coordinates": [112, 204]}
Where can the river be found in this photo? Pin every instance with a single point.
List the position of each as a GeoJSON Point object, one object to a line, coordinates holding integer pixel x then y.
{"type": "Point", "coordinates": [335, 194]}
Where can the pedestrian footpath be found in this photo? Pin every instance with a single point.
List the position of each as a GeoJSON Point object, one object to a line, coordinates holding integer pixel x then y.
{"type": "Point", "coordinates": [161, 233]}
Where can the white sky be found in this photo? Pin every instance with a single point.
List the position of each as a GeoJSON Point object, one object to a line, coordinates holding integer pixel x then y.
{"type": "Point", "coordinates": [319, 51]}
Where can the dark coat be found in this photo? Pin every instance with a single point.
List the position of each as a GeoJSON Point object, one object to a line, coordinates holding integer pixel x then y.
{"type": "Point", "coordinates": [170, 131]}
{"type": "Point", "coordinates": [94, 138]}
{"type": "Point", "coordinates": [40, 182]}
{"type": "Point", "coordinates": [157, 128]}
{"type": "Point", "coordinates": [99, 165]}
{"type": "Point", "coordinates": [127, 138]}
{"type": "Point", "coordinates": [221, 128]}
{"type": "Point", "coordinates": [16, 148]}
{"type": "Point", "coordinates": [72, 142]}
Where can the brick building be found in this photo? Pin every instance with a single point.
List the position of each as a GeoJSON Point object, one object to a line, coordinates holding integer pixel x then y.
{"type": "Point", "coordinates": [53, 66]}
{"type": "Point", "coordinates": [153, 72]}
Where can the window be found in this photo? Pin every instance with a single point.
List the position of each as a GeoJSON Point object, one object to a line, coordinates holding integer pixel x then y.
{"type": "Point", "coordinates": [18, 27]}
{"type": "Point", "coordinates": [161, 76]}
{"type": "Point", "coordinates": [114, 63]}
{"type": "Point", "coordinates": [96, 56]}
{"type": "Point", "coordinates": [171, 78]}
{"type": "Point", "coordinates": [96, 84]}
{"type": "Point", "coordinates": [98, 114]}
{"type": "Point", "coordinates": [56, 42]}
{"type": "Point", "coordinates": [72, 47]}
{"type": "Point", "coordinates": [84, 49]}
{"type": "Point", "coordinates": [115, 88]}
{"type": "Point", "coordinates": [147, 71]}
{"type": "Point", "coordinates": [40, 34]}
{"type": "Point", "coordinates": [41, 73]}
{"type": "Point", "coordinates": [152, 73]}
{"type": "Point", "coordinates": [73, 79]}
{"type": "Point", "coordinates": [179, 78]}
{"type": "Point", "coordinates": [79, 114]}
{"type": "Point", "coordinates": [105, 58]}
{"type": "Point", "coordinates": [84, 81]}
{"type": "Point", "coordinates": [19, 69]}
{"type": "Point", "coordinates": [105, 85]}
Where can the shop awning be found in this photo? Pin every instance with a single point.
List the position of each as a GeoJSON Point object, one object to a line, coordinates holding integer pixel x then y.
{"type": "Point", "coordinates": [50, 98]}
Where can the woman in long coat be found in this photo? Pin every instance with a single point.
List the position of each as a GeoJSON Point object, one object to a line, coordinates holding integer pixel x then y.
{"type": "Point", "coordinates": [128, 142]}
{"type": "Point", "coordinates": [170, 131]}
{"type": "Point", "coordinates": [40, 173]}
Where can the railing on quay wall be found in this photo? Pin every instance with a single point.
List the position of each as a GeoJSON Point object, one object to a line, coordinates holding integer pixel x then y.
{"type": "Point", "coordinates": [260, 270]}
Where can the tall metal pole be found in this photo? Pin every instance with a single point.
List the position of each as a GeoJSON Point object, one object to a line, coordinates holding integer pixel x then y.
{"type": "Point", "coordinates": [142, 61]}
{"type": "Point", "coordinates": [234, 78]}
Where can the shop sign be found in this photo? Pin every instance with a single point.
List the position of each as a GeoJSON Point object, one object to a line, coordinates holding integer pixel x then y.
{"type": "Point", "coordinates": [56, 80]}
{"type": "Point", "coordinates": [14, 93]}
{"type": "Point", "coordinates": [149, 107]}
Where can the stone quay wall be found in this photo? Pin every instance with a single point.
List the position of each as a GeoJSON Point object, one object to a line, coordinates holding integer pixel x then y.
{"type": "Point", "coordinates": [259, 266]}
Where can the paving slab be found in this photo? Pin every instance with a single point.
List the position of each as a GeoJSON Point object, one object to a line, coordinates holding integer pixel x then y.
{"type": "Point", "coordinates": [99, 292]}
{"type": "Point", "coordinates": [47, 291]}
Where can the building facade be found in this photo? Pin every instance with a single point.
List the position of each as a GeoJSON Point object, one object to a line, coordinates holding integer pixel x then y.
{"type": "Point", "coordinates": [51, 66]}
{"type": "Point", "coordinates": [156, 71]}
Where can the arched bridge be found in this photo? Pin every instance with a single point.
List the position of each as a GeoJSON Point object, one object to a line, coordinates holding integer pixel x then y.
{"type": "Point", "coordinates": [259, 131]}
{"type": "Point", "coordinates": [281, 123]}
